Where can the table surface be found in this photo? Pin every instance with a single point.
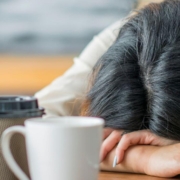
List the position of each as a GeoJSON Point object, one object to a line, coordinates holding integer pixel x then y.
{"type": "Point", "coordinates": [29, 74]}
{"type": "Point", "coordinates": [124, 176]}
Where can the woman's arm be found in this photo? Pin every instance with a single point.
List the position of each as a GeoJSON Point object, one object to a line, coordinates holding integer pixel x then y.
{"type": "Point", "coordinates": [122, 142]}
{"type": "Point", "coordinates": [151, 160]}
{"type": "Point", "coordinates": [133, 160]}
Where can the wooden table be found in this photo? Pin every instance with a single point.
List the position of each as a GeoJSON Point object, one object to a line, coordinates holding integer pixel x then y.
{"type": "Point", "coordinates": [29, 74]}
{"type": "Point", "coordinates": [124, 176]}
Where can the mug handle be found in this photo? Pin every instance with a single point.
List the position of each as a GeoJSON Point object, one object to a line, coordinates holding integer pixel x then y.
{"type": "Point", "coordinates": [5, 144]}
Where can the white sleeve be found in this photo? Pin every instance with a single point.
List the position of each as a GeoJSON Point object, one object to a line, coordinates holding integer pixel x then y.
{"type": "Point", "coordinates": [63, 97]}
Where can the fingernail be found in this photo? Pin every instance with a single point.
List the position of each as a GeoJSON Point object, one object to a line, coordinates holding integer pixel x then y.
{"type": "Point", "coordinates": [115, 161]}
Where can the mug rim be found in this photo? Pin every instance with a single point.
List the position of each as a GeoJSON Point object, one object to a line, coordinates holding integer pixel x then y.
{"type": "Point", "coordinates": [53, 121]}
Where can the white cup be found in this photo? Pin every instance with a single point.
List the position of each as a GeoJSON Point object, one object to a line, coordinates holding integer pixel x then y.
{"type": "Point", "coordinates": [64, 148]}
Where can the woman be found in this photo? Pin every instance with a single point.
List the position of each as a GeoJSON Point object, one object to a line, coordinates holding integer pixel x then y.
{"type": "Point", "coordinates": [136, 83]}
{"type": "Point", "coordinates": [126, 65]}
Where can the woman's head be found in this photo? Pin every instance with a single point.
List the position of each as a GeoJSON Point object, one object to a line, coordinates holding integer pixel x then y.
{"type": "Point", "coordinates": [136, 83]}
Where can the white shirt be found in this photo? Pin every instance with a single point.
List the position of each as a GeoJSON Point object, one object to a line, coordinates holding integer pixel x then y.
{"type": "Point", "coordinates": [64, 96]}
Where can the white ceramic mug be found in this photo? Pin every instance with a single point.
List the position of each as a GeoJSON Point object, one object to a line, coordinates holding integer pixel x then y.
{"type": "Point", "coordinates": [64, 148]}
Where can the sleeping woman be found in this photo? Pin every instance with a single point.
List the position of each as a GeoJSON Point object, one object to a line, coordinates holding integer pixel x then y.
{"type": "Point", "coordinates": [135, 88]}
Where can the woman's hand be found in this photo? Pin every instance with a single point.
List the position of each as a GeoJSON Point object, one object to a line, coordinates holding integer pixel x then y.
{"type": "Point", "coordinates": [114, 138]}
{"type": "Point", "coordinates": [161, 161]}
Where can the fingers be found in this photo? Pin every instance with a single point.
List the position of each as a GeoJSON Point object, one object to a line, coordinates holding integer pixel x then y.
{"type": "Point", "coordinates": [113, 137]}
{"type": "Point", "coordinates": [109, 143]}
{"type": "Point", "coordinates": [130, 139]}
{"type": "Point", "coordinates": [107, 132]}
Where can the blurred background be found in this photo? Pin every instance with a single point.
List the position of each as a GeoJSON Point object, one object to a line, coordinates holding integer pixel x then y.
{"type": "Point", "coordinates": [39, 38]}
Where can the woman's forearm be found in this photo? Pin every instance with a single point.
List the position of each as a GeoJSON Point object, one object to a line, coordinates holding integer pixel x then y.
{"type": "Point", "coordinates": [135, 160]}
{"type": "Point", "coordinates": [161, 161]}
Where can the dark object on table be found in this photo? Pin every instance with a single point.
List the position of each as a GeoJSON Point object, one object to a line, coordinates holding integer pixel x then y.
{"type": "Point", "coordinates": [14, 110]}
